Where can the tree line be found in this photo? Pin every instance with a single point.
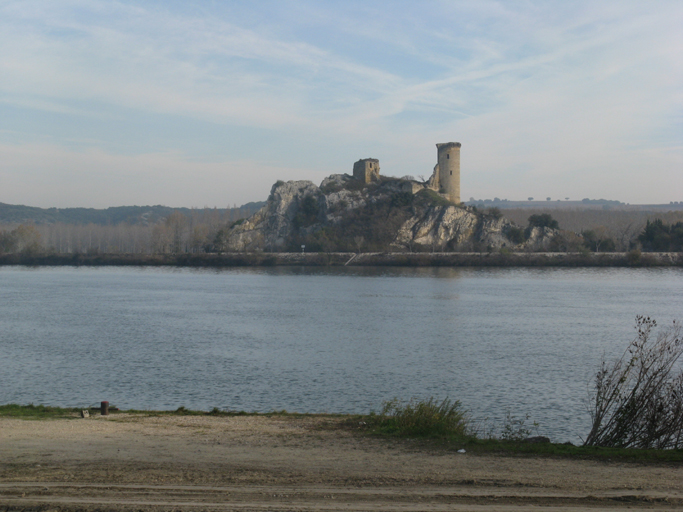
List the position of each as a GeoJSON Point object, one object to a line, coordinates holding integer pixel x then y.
{"type": "Point", "coordinates": [207, 231]}
{"type": "Point", "coordinates": [192, 232]}
{"type": "Point", "coordinates": [604, 230]}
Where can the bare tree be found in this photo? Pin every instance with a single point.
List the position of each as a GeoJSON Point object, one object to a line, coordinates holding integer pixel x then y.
{"type": "Point", "coordinates": [359, 241]}
{"type": "Point", "coordinates": [638, 401]}
{"type": "Point", "coordinates": [177, 224]}
{"type": "Point", "coordinates": [567, 241]}
{"type": "Point", "coordinates": [161, 239]}
{"type": "Point", "coordinates": [200, 238]}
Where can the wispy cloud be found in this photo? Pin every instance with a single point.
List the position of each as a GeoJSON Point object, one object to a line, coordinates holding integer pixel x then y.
{"type": "Point", "coordinates": [561, 91]}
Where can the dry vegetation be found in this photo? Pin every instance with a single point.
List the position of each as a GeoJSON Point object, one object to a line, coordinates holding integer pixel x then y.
{"type": "Point", "coordinates": [638, 400]}
{"type": "Point", "coordinates": [177, 233]}
{"type": "Point", "coordinates": [622, 226]}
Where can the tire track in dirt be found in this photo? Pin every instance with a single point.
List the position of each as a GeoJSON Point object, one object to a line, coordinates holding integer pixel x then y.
{"type": "Point", "coordinates": [91, 497]}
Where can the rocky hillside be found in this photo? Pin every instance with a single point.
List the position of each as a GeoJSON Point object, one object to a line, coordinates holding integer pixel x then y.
{"type": "Point", "coordinates": [344, 214]}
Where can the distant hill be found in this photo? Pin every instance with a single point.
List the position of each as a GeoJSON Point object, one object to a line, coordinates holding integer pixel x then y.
{"type": "Point", "coordinates": [17, 214]}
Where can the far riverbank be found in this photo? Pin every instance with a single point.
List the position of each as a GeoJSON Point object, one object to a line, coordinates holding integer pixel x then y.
{"type": "Point", "coordinates": [402, 259]}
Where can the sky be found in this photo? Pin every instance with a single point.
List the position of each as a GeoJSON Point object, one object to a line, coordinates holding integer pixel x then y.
{"type": "Point", "coordinates": [208, 103]}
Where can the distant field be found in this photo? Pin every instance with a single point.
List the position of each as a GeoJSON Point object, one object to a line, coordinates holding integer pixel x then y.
{"type": "Point", "coordinates": [623, 226]}
{"type": "Point", "coordinates": [579, 219]}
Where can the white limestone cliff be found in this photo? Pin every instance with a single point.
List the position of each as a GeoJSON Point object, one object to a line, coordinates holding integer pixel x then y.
{"type": "Point", "coordinates": [300, 209]}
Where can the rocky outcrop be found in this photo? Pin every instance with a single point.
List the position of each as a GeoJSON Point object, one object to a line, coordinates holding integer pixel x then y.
{"type": "Point", "coordinates": [437, 226]}
{"type": "Point", "coordinates": [343, 214]}
{"type": "Point", "coordinates": [539, 238]}
{"type": "Point", "coordinates": [272, 225]}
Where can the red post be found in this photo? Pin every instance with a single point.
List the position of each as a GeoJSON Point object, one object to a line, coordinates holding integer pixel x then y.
{"type": "Point", "coordinates": [104, 408]}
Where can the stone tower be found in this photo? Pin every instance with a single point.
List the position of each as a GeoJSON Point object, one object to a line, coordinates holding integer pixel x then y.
{"type": "Point", "coordinates": [366, 170]}
{"type": "Point", "coordinates": [448, 160]}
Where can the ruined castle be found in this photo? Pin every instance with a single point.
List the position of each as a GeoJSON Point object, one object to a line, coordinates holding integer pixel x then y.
{"type": "Point", "coordinates": [445, 179]}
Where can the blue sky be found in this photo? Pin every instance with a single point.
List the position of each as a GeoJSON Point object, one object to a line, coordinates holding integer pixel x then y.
{"type": "Point", "coordinates": [207, 103]}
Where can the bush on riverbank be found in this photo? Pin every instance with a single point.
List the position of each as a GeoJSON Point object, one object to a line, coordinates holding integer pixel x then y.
{"type": "Point", "coordinates": [422, 418]}
{"type": "Point", "coordinates": [638, 401]}
{"type": "Point", "coordinates": [658, 236]}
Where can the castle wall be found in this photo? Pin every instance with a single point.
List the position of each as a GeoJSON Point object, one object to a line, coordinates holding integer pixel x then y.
{"type": "Point", "coordinates": [448, 158]}
{"type": "Point", "coordinates": [433, 182]}
{"type": "Point", "coordinates": [412, 186]}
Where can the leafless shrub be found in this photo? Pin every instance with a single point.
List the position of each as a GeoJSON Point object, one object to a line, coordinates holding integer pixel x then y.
{"type": "Point", "coordinates": [638, 401]}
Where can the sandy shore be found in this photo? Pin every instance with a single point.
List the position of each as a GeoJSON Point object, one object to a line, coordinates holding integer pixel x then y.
{"type": "Point", "coordinates": [130, 462]}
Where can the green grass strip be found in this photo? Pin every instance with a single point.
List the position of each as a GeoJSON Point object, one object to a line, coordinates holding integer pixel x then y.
{"type": "Point", "coordinates": [37, 412]}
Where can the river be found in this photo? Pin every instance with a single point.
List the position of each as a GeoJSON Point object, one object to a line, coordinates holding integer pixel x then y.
{"type": "Point", "coordinates": [513, 340]}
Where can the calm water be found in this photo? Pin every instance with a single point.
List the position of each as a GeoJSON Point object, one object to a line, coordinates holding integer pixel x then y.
{"type": "Point", "coordinates": [312, 340]}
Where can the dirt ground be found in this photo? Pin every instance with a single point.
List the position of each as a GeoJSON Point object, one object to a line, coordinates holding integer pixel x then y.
{"type": "Point", "coordinates": [130, 462]}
